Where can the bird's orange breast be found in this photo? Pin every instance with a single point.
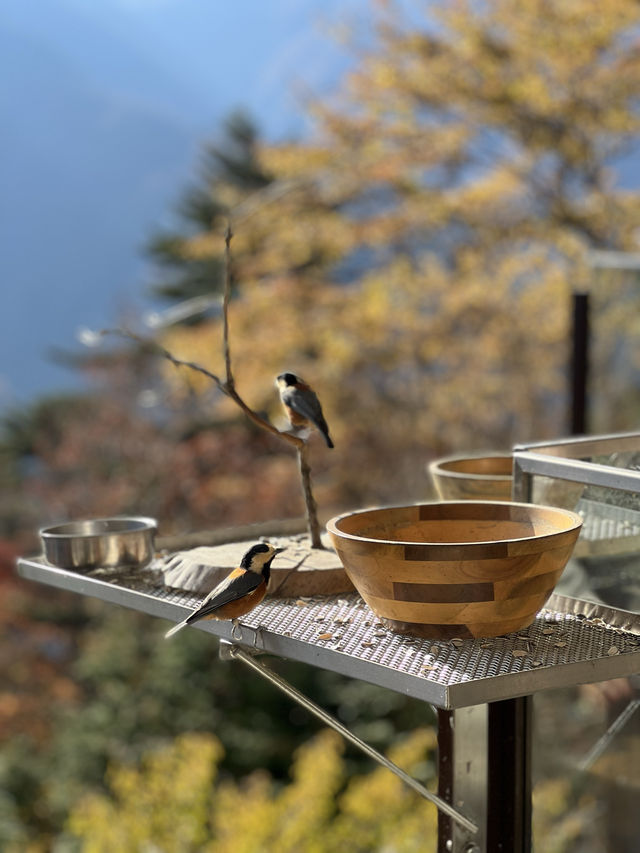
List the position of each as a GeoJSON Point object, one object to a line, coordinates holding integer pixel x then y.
{"type": "Point", "coordinates": [235, 609]}
{"type": "Point", "coordinates": [295, 418]}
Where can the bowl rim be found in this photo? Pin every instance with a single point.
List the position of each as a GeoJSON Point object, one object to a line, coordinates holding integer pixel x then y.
{"type": "Point", "coordinates": [437, 465]}
{"type": "Point", "coordinates": [55, 531]}
{"type": "Point", "coordinates": [332, 528]}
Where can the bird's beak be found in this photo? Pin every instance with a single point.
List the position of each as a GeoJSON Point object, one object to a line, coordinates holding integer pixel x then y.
{"type": "Point", "coordinates": [278, 551]}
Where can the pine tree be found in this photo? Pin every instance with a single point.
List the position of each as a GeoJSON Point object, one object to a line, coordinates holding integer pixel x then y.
{"type": "Point", "coordinates": [229, 171]}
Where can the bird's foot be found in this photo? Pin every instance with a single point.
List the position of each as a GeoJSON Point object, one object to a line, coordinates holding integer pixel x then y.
{"type": "Point", "coordinates": [257, 635]}
{"type": "Point", "coordinates": [235, 627]}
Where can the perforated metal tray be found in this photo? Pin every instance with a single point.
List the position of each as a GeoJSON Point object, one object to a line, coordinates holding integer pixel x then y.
{"type": "Point", "coordinates": [570, 642]}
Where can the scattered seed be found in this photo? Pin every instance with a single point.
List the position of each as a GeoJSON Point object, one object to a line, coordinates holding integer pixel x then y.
{"type": "Point", "coordinates": [457, 642]}
{"type": "Point", "coordinates": [368, 643]}
{"type": "Point", "coordinates": [434, 650]}
{"type": "Point", "coordinates": [560, 644]}
{"type": "Point", "coordinates": [536, 663]}
{"type": "Point", "coordinates": [427, 667]}
{"type": "Point", "coordinates": [548, 631]}
{"type": "Point", "coordinates": [340, 620]}
{"type": "Point", "coordinates": [518, 653]}
{"type": "Point", "coordinates": [486, 645]}
{"type": "Point", "coordinates": [614, 650]}
{"type": "Point", "coordinates": [319, 619]}
{"type": "Point", "coordinates": [326, 636]}
{"type": "Point", "coordinates": [301, 603]}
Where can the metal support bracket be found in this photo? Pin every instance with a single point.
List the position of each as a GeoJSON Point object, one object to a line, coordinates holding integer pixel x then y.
{"type": "Point", "coordinates": [229, 651]}
{"type": "Point", "coordinates": [602, 743]}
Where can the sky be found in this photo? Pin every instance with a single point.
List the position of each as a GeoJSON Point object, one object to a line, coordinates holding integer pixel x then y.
{"type": "Point", "coordinates": [106, 105]}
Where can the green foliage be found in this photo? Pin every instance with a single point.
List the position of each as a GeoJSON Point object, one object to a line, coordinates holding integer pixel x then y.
{"type": "Point", "coordinates": [173, 800]}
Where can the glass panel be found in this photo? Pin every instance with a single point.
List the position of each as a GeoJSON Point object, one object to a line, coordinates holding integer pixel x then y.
{"type": "Point", "coordinates": [605, 565]}
{"type": "Point", "coordinates": [586, 769]}
{"type": "Point", "coordinates": [614, 387]}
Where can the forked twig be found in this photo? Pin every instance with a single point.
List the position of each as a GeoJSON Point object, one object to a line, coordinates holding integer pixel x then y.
{"type": "Point", "coordinates": [227, 386]}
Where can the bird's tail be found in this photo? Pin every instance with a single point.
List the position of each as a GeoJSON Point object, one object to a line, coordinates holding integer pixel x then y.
{"type": "Point", "coordinates": [324, 429]}
{"type": "Point", "coordinates": [176, 628]}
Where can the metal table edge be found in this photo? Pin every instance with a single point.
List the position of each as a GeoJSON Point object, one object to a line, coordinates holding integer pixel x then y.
{"type": "Point", "coordinates": [444, 696]}
{"type": "Point", "coordinates": [264, 640]}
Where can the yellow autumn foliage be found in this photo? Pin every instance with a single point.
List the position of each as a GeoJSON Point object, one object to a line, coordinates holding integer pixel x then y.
{"type": "Point", "coordinates": [173, 801]}
{"type": "Point", "coordinates": [415, 259]}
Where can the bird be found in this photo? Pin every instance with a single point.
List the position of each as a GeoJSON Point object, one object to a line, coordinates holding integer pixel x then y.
{"type": "Point", "coordinates": [301, 404]}
{"type": "Point", "coordinates": [241, 590]}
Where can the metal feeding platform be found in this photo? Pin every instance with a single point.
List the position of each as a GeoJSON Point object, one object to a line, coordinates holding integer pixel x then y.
{"type": "Point", "coordinates": [482, 688]}
{"type": "Point", "coordinates": [570, 642]}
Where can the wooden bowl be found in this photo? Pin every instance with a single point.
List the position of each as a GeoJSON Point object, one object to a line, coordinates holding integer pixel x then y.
{"type": "Point", "coordinates": [456, 569]}
{"type": "Point", "coordinates": [479, 478]}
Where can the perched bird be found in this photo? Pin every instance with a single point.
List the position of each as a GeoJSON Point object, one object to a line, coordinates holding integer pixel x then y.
{"type": "Point", "coordinates": [241, 591]}
{"type": "Point", "coordinates": [301, 404]}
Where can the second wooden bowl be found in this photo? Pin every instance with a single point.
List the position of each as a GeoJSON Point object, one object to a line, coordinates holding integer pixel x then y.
{"type": "Point", "coordinates": [456, 569]}
{"type": "Point", "coordinates": [479, 478]}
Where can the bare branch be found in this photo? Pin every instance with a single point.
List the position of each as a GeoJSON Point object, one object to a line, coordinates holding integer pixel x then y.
{"type": "Point", "coordinates": [309, 500]}
{"type": "Point", "coordinates": [222, 386]}
{"type": "Point", "coordinates": [177, 362]}
{"type": "Point", "coordinates": [227, 387]}
{"type": "Point", "coordinates": [225, 305]}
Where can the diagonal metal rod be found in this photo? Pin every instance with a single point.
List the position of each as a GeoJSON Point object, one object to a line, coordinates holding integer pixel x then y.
{"type": "Point", "coordinates": [238, 654]}
{"type": "Point", "coordinates": [602, 743]}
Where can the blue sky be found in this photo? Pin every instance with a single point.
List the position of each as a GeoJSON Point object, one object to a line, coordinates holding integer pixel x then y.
{"type": "Point", "coordinates": [106, 105]}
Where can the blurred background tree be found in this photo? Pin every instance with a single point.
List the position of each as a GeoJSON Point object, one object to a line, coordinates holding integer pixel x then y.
{"type": "Point", "coordinates": [447, 207]}
{"type": "Point", "coordinates": [414, 261]}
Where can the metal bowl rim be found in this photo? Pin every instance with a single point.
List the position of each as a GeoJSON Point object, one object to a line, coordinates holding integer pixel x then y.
{"type": "Point", "coordinates": [56, 532]}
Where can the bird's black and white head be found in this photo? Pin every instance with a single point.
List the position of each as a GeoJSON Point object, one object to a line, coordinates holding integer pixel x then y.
{"type": "Point", "coordinates": [286, 380]}
{"type": "Point", "coordinates": [259, 558]}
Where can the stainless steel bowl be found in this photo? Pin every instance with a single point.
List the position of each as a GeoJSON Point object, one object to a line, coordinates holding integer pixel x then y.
{"type": "Point", "coordinates": [100, 543]}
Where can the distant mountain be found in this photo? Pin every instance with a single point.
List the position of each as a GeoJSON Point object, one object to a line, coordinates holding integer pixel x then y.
{"type": "Point", "coordinates": [105, 106]}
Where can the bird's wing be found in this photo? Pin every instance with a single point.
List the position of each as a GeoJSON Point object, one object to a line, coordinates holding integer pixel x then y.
{"type": "Point", "coordinates": [305, 403]}
{"type": "Point", "coordinates": [238, 583]}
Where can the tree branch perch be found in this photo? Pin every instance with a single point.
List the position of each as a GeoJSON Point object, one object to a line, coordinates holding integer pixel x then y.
{"type": "Point", "coordinates": [227, 386]}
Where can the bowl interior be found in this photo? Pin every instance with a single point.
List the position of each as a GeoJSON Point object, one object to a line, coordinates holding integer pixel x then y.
{"type": "Point", "coordinates": [482, 466]}
{"type": "Point", "coordinates": [456, 522]}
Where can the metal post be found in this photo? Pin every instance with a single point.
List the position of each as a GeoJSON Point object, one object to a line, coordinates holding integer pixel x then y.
{"type": "Point", "coordinates": [509, 779]}
{"type": "Point", "coordinates": [462, 776]}
{"type": "Point", "coordinates": [485, 768]}
{"type": "Point", "coordinates": [578, 411]}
